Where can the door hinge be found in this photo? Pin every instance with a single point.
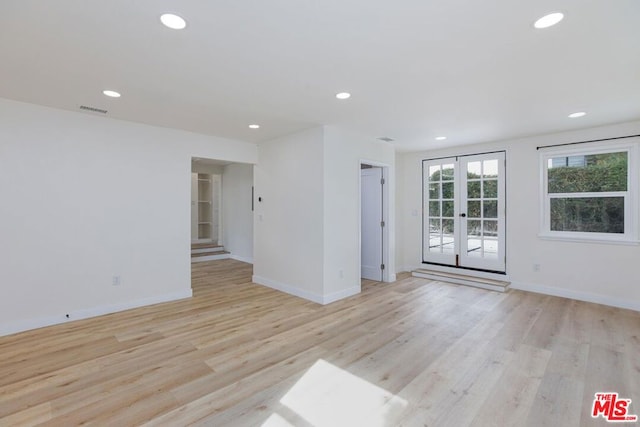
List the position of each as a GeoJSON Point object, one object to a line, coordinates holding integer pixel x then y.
{"type": "Point", "coordinates": [381, 223]}
{"type": "Point", "coordinates": [381, 266]}
{"type": "Point", "coordinates": [381, 181]}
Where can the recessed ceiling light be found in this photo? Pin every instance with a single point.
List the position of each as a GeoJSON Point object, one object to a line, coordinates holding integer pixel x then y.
{"type": "Point", "coordinates": [343, 95]}
{"type": "Point", "coordinates": [254, 126]}
{"type": "Point", "coordinates": [576, 115]}
{"type": "Point", "coordinates": [172, 21]}
{"type": "Point", "coordinates": [549, 20]}
{"type": "Point", "coordinates": [111, 93]}
{"type": "Point", "coordinates": [440, 138]}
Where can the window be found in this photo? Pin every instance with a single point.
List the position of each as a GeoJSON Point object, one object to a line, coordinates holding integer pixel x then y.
{"type": "Point", "coordinates": [589, 193]}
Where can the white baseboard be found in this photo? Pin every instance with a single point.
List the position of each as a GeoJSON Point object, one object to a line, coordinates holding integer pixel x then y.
{"type": "Point", "coordinates": [345, 293]}
{"type": "Point", "coordinates": [25, 325]}
{"type": "Point", "coordinates": [301, 293]}
{"type": "Point", "coordinates": [577, 295]}
{"type": "Point", "coordinates": [407, 269]}
{"type": "Point", "coordinates": [248, 260]}
{"type": "Point", "coordinates": [291, 290]}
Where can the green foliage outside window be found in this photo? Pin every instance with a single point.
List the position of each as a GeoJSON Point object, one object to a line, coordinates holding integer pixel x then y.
{"type": "Point", "coordinates": [598, 173]}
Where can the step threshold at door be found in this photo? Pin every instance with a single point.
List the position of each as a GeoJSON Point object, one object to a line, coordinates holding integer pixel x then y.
{"type": "Point", "coordinates": [463, 279]}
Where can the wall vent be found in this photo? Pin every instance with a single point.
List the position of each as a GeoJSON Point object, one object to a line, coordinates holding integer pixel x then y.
{"type": "Point", "coordinates": [93, 109]}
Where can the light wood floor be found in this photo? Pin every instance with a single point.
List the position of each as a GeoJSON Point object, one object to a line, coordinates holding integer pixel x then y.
{"type": "Point", "coordinates": [409, 353]}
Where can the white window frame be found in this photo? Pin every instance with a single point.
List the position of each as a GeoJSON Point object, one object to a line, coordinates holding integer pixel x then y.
{"type": "Point", "coordinates": [631, 213]}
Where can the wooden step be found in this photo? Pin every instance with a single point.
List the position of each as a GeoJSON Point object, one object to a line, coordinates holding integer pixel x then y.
{"type": "Point", "coordinates": [209, 254]}
{"type": "Point", "coordinates": [463, 279]}
{"type": "Point", "coordinates": [205, 245]}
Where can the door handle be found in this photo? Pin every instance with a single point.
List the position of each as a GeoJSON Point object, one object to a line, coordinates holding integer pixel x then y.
{"type": "Point", "coordinates": [463, 215]}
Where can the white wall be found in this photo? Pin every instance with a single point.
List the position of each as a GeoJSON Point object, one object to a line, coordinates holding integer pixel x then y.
{"type": "Point", "coordinates": [343, 152]}
{"type": "Point", "coordinates": [602, 273]}
{"type": "Point", "coordinates": [237, 216]}
{"type": "Point", "coordinates": [307, 229]}
{"type": "Point", "coordinates": [288, 223]}
{"type": "Point", "coordinates": [85, 198]}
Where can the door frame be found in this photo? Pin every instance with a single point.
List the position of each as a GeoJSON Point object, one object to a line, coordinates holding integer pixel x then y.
{"type": "Point", "coordinates": [387, 274]}
{"type": "Point", "coordinates": [502, 181]}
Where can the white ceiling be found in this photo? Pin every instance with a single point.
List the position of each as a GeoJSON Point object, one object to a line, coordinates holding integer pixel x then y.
{"type": "Point", "coordinates": [471, 70]}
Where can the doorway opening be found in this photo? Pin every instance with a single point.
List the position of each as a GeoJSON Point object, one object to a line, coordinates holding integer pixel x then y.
{"type": "Point", "coordinates": [374, 214]}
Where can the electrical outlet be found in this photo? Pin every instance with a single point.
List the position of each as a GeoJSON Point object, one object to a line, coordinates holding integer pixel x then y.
{"type": "Point", "coordinates": [116, 281]}
{"type": "Point", "coordinates": [341, 273]}
{"type": "Point", "coordinates": [536, 267]}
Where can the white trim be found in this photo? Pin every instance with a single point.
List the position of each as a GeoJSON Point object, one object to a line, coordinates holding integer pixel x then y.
{"type": "Point", "coordinates": [577, 295]}
{"type": "Point", "coordinates": [25, 325]}
{"type": "Point", "coordinates": [587, 240]}
{"type": "Point", "coordinates": [345, 293]}
{"type": "Point", "coordinates": [297, 292]}
{"type": "Point", "coordinates": [631, 220]}
{"type": "Point", "coordinates": [288, 289]}
{"type": "Point", "coordinates": [248, 260]}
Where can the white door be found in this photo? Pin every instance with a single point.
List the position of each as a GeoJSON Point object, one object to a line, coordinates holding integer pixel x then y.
{"type": "Point", "coordinates": [464, 206]}
{"type": "Point", "coordinates": [371, 240]}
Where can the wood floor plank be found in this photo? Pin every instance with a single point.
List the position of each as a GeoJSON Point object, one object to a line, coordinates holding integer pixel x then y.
{"type": "Point", "coordinates": [410, 353]}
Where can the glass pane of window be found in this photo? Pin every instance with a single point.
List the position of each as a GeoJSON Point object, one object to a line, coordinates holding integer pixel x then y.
{"type": "Point", "coordinates": [447, 172]}
{"type": "Point", "coordinates": [490, 209]}
{"type": "Point", "coordinates": [473, 209]}
{"type": "Point", "coordinates": [434, 208]}
{"type": "Point", "coordinates": [490, 189]}
{"type": "Point", "coordinates": [588, 214]}
{"type": "Point", "coordinates": [447, 236]}
{"type": "Point", "coordinates": [490, 168]}
{"type": "Point", "coordinates": [588, 174]}
{"type": "Point", "coordinates": [490, 248]}
{"type": "Point", "coordinates": [474, 238]}
{"type": "Point", "coordinates": [447, 190]}
{"type": "Point", "coordinates": [435, 233]}
{"type": "Point", "coordinates": [434, 191]}
{"type": "Point", "coordinates": [434, 173]}
{"type": "Point", "coordinates": [473, 189]}
{"type": "Point", "coordinates": [447, 209]}
{"type": "Point", "coordinates": [474, 170]}
{"type": "Point", "coordinates": [490, 228]}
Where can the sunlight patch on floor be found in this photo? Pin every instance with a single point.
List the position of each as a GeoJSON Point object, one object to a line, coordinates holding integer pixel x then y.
{"type": "Point", "coordinates": [276, 420]}
{"type": "Point", "coordinates": [329, 396]}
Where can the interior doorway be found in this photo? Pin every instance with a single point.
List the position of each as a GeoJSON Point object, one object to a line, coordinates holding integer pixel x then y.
{"type": "Point", "coordinates": [374, 236]}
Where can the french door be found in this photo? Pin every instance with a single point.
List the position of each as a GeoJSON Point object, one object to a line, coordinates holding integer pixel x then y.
{"type": "Point", "coordinates": [464, 211]}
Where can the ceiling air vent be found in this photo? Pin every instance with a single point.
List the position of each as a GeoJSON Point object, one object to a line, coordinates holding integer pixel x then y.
{"type": "Point", "coordinates": [93, 109]}
{"type": "Point", "coordinates": [386, 139]}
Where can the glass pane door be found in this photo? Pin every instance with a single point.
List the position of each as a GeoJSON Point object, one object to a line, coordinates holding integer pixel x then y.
{"type": "Point", "coordinates": [439, 242]}
{"type": "Point", "coordinates": [482, 212]}
{"type": "Point", "coordinates": [464, 212]}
